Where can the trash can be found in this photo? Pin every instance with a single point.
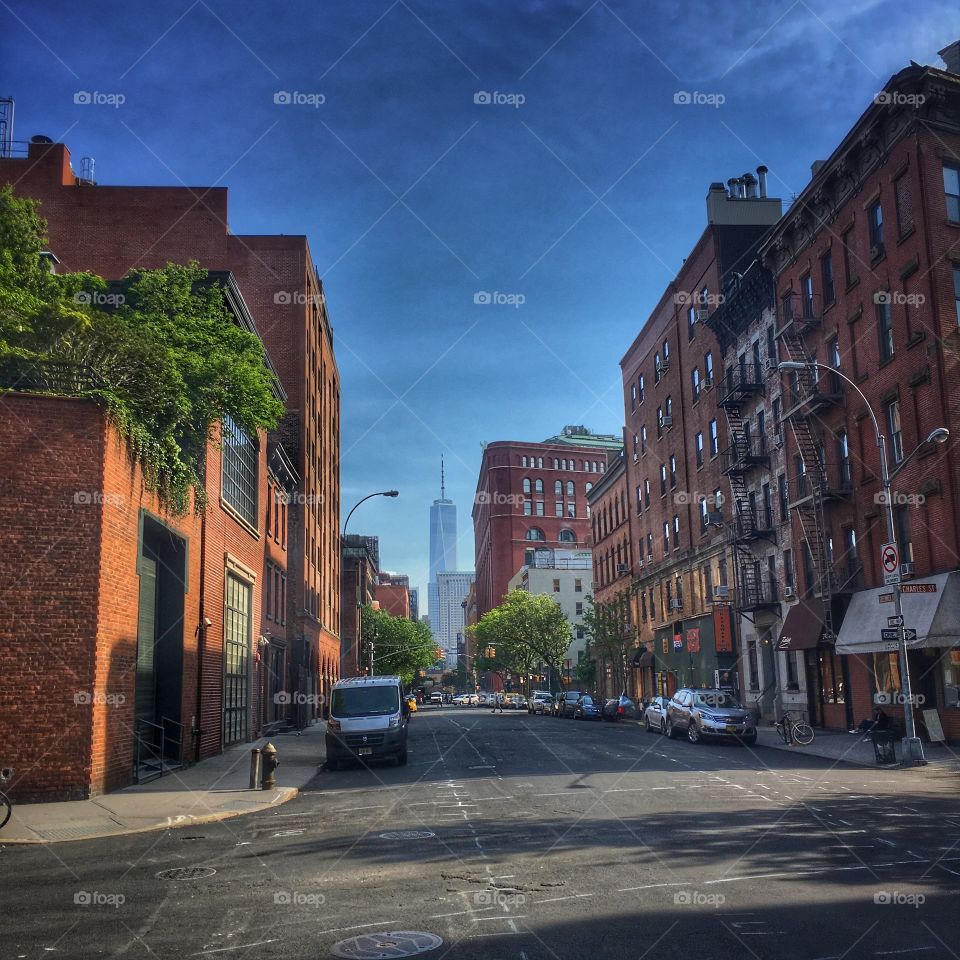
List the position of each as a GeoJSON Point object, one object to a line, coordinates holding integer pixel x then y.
{"type": "Point", "coordinates": [884, 746]}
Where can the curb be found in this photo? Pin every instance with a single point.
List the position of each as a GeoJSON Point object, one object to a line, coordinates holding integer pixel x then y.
{"type": "Point", "coordinates": [189, 820]}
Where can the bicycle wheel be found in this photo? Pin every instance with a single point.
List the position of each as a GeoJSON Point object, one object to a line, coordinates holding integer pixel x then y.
{"type": "Point", "coordinates": [803, 733]}
{"type": "Point", "coordinates": [5, 810]}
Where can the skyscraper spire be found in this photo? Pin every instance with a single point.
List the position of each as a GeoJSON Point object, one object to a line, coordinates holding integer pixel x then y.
{"type": "Point", "coordinates": [443, 483]}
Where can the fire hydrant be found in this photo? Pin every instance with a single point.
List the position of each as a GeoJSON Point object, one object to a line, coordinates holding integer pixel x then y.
{"type": "Point", "coordinates": [269, 764]}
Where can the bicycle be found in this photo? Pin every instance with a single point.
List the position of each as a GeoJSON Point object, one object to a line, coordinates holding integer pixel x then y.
{"type": "Point", "coordinates": [5, 808]}
{"type": "Point", "coordinates": [794, 731]}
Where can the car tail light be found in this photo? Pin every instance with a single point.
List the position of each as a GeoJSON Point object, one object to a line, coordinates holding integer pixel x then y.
{"type": "Point", "coordinates": [620, 711]}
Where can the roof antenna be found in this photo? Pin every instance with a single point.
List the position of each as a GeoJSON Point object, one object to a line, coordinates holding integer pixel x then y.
{"type": "Point", "coordinates": [443, 483]}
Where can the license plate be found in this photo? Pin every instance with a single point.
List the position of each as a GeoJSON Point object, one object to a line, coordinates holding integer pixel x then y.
{"type": "Point", "coordinates": [731, 726]}
{"type": "Point", "coordinates": [365, 751]}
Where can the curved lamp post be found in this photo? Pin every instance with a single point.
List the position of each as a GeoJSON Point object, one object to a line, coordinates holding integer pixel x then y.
{"type": "Point", "coordinates": [911, 750]}
{"type": "Point", "coordinates": [343, 541]}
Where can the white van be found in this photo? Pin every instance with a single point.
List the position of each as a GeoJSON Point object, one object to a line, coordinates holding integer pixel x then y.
{"type": "Point", "coordinates": [368, 719]}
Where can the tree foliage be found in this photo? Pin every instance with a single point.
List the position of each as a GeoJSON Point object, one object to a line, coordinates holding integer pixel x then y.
{"type": "Point", "coordinates": [401, 647]}
{"type": "Point", "coordinates": [167, 358]}
{"type": "Point", "coordinates": [525, 630]}
{"type": "Point", "coordinates": [608, 629]}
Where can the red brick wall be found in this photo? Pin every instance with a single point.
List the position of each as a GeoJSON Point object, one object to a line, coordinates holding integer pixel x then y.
{"type": "Point", "coordinates": [394, 599]}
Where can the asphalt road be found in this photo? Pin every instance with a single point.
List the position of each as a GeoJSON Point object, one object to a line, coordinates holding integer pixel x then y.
{"type": "Point", "coordinates": [542, 839]}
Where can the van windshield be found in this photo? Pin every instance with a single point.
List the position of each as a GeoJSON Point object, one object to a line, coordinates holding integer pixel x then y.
{"type": "Point", "coordinates": [365, 701]}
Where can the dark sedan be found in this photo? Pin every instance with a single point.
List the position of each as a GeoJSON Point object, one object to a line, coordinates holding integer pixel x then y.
{"type": "Point", "coordinates": [586, 709]}
{"type": "Point", "coordinates": [619, 708]}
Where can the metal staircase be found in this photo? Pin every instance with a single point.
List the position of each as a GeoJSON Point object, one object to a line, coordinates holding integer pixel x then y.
{"type": "Point", "coordinates": [809, 489]}
{"type": "Point", "coordinates": [745, 453]}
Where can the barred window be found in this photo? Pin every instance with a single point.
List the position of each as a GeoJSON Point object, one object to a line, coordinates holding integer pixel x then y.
{"type": "Point", "coordinates": [239, 486]}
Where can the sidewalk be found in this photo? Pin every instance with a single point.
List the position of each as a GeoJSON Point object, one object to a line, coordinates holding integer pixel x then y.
{"type": "Point", "coordinates": [852, 748]}
{"type": "Point", "coordinates": [214, 789]}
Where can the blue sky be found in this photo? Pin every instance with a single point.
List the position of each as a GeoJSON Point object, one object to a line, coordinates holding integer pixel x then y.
{"type": "Point", "coordinates": [575, 191]}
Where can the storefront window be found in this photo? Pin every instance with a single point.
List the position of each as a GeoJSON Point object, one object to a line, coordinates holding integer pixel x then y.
{"type": "Point", "coordinates": [831, 677]}
{"type": "Point", "coordinates": [886, 673]}
{"type": "Point", "coordinates": [950, 677]}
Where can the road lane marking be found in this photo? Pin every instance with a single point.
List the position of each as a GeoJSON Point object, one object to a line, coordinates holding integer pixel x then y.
{"type": "Point", "coordinates": [239, 946]}
{"type": "Point", "coordinates": [575, 896]}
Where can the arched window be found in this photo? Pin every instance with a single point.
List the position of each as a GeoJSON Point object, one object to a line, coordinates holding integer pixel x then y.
{"type": "Point", "coordinates": [558, 487]}
{"type": "Point", "coordinates": [526, 484]}
{"type": "Point", "coordinates": [535, 533]}
{"type": "Point", "coordinates": [589, 487]}
{"type": "Point", "coordinates": [538, 486]}
{"type": "Point", "coordinates": [570, 488]}
{"type": "Point", "coordinates": [568, 536]}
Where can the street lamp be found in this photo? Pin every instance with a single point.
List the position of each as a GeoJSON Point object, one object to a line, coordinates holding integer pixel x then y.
{"type": "Point", "coordinates": [911, 749]}
{"type": "Point", "coordinates": [343, 542]}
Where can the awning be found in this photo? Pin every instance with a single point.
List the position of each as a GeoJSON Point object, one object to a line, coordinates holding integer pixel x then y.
{"type": "Point", "coordinates": [642, 658]}
{"type": "Point", "coordinates": [931, 606]}
{"type": "Point", "coordinates": [802, 627]}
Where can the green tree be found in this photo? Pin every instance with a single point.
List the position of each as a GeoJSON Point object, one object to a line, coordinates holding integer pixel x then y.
{"type": "Point", "coordinates": [609, 631]}
{"type": "Point", "coordinates": [523, 631]}
{"type": "Point", "coordinates": [401, 647]}
{"type": "Point", "coordinates": [163, 352]}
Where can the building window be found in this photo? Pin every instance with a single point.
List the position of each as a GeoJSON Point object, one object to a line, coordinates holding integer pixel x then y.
{"type": "Point", "coordinates": [700, 448]}
{"type": "Point", "coordinates": [772, 577]}
{"type": "Point", "coordinates": [849, 257]}
{"type": "Point", "coordinates": [714, 439]}
{"type": "Point", "coordinates": [540, 508]}
{"type": "Point", "coordinates": [646, 493]}
{"type": "Point", "coordinates": [640, 389]}
{"type": "Point", "coordinates": [643, 435]}
{"type": "Point", "coordinates": [904, 205]}
{"type": "Point", "coordinates": [843, 454]}
{"type": "Point", "coordinates": [951, 188]}
{"type": "Point", "coordinates": [527, 508]}
{"type": "Point", "coordinates": [753, 665]}
{"type": "Point", "coordinates": [657, 371]}
{"type": "Point", "coordinates": [695, 383]}
{"type": "Point", "coordinates": [806, 293]}
{"type": "Point", "coordinates": [578, 608]}
{"type": "Point", "coordinates": [558, 488]}
{"type": "Point", "coordinates": [788, 568]}
{"type": "Point", "coordinates": [893, 426]}
{"type": "Point", "coordinates": [956, 291]}
{"type": "Point", "coordinates": [649, 546]}
{"type": "Point", "coordinates": [237, 640]}
{"type": "Point", "coordinates": [708, 366]}
{"type": "Point", "coordinates": [523, 461]}
{"type": "Point", "coordinates": [538, 486]}
{"type": "Point", "coordinates": [831, 676]}
{"type": "Point", "coordinates": [570, 490]}
{"type": "Point", "coordinates": [901, 517]}
{"type": "Point", "coordinates": [639, 501]}
{"type": "Point", "coordinates": [666, 353]}
{"type": "Point", "coordinates": [535, 533]}
{"type": "Point", "coordinates": [704, 513]}
{"type": "Point", "coordinates": [668, 408]}
{"type": "Point", "coordinates": [556, 586]}
{"type": "Point", "coordinates": [885, 327]}
{"type": "Point", "coordinates": [526, 484]}
{"type": "Point", "coordinates": [691, 322]}
{"type": "Point", "coordinates": [663, 479]}
{"type": "Point", "coordinates": [875, 225]}
{"type": "Point", "coordinates": [558, 508]}
{"type": "Point", "coordinates": [659, 421]}
{"type": "Point", "coordinates": [673, 472]}
{"type": "Point", "coordinates": [767, 506]}
{"type": "Point", "coordinates": [633, 396]}
{"type": "Point", "coordinates": [676, 531]}
{"type": "Point", "coordinates": [239, 483]}
{"type": "Point", "coordinates": [826, 278]}
{"type": "Point", "coordinates": [577, 585]}
{"type": "Point", "coordinates": [666, 538]}
{"type": "Point", "coordinates": [571, 508]}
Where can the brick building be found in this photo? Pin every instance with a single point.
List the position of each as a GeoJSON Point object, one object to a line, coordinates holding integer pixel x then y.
{"type": "Point", "coordinates": [273, 284]}
{"type": "Point", "coordinates": [866, 266]}
{"type": "Point", "coordinates": [361, 558]}
{"type": "Point", "coordinates": [530, 495]}
{"type": "Point", "coordinates": [393, 594]}
{"type": "Point", "coordinates": [674, 440]}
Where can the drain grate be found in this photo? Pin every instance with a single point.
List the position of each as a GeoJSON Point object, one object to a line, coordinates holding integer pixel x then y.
{"type": "Point", "coordinates": [386, 946]}
{"type": "Point", "coordinates": [186, 873]}
{"type": "Point", "coordinates": [407, 835]}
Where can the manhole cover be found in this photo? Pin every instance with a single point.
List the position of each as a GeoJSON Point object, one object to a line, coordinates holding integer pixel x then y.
{"type": "Point", "coordinates": [385, 946]}
{"type": "Point", "coordinates": [186, 873]}
{"type": "Point", "coordinates": [407, 835]}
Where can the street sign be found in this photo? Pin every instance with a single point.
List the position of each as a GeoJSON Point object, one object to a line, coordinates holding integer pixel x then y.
{"type": "Point", "coordinates": [895, 621]}
{"type": "Point", "coordinates": [890, 560]}
{"type": "Point", "coordinates": [894, 634]}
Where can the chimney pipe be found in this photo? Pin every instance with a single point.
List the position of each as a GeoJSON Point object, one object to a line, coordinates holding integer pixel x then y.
{"type": "Point", "coordinates": [749, 186]}
{"type": "Point", "coordinates": [762, 176]}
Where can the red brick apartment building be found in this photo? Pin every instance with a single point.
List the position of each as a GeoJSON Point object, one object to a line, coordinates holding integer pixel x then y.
{"type": "Point", "coordinates": [110, 231]}
{"type": "Point", "coordinates": [393, 594]}
{"type": "Point", "coordinates": [360, 562]}
{"type": "Point", "coordinates": [533, 495]}
{"type": "Point", "coordinates": [866, 266]}
{"type": "Point", "coordinates": [674, 445]}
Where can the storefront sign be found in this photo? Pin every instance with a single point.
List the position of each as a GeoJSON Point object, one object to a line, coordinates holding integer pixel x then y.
{"type": "Point", "coordinates": [677, 642]}
{"type": "Point", "coordinates": [693, 639]}
{"type": "Point", "coordinates": [722, 631]}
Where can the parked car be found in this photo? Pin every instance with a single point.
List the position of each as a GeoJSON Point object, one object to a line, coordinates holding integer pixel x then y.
{"type": "Point", "coordinates": [619, 708]}
{"type": "Point", "coordinates": [586, 709]}
{"type": "Point", "coordinates": [539, 701]}
{"type": "Point", "coordinates": [655, 715]}
{"type": "Point", "coordinates": [482, 699]}
{"type": "Point", "coordinates": [704, 714]}
{"type": "Point", "coordinates": [517, 703]}
{"type": "Point", "coordinates": [567, 701]}
{"type": "Point", "coordinates": [437, 698]}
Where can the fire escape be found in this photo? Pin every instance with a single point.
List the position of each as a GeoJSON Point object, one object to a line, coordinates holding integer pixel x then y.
{"type": "Point", "coordinates": [747, 453]}
{"type": "Point", "coordinates": [814, 482]}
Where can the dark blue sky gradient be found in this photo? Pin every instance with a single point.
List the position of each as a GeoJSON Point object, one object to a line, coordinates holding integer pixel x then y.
{"type": "Point", "coordinates": [583, 200]}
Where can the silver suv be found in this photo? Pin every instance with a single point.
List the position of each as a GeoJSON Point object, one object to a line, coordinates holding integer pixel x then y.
{"type": "Point", "coordinates": [707, 714]}
{"type": "Point", "coordinates": [540, 701]}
